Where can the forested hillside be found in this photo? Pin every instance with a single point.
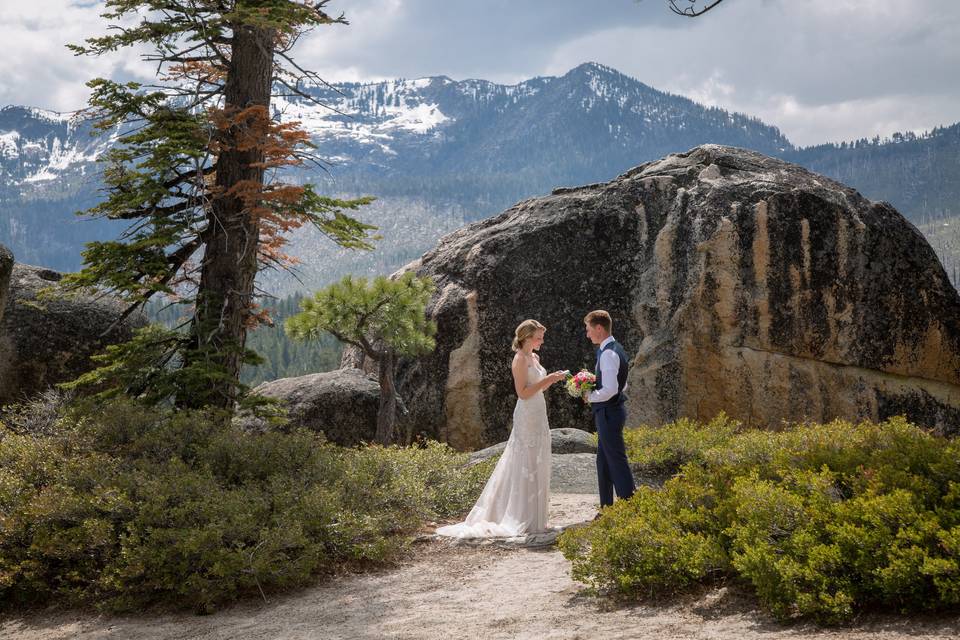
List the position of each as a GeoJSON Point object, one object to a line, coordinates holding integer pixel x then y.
{"type": "Point", "coordinates": [284, 357]}
{"type": "Point", "coordinates": [918, 174]}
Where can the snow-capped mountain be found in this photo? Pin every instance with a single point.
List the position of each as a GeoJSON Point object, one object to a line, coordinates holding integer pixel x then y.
{"type": "Point", "coordinates": [435, 152]}
{"type": "Point", "coordinates": [48, 171]}
{"type": "Point", "coordinates": [589, 124]}
{"type": "Point", "coordinates": [38, 147]}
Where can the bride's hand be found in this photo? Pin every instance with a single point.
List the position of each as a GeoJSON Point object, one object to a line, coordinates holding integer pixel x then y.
{"type": "Point", "coordinates": [557, 376]}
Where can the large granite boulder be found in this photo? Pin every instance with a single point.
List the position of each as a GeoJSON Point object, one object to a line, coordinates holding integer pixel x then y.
{"type": "Point", "coordinates": [342, 404]}
{"type": "Point", "coordinates": [49, 338]}
{"type": "Point", "coordinates": [737, 283]}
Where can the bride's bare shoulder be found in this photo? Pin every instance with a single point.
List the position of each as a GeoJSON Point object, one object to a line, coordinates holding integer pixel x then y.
{"type": "Point", "coordinates": [520, 360]}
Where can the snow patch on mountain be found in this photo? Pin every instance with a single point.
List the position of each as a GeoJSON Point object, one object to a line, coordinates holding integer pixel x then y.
{"type": "Point", "coordinates": [372, 114]}
{"type": "Point", "coordinates": [420, 118]}
{"type": "Point", "coordinates": [8, 145]}
{"type": "Point", "coordinates": [60, 158]}
{"type": "Point", "coordinates": [53, 117]}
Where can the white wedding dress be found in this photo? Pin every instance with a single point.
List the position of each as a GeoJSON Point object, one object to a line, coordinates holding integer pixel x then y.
{"type": "Point", "coordinates": [515, 499]}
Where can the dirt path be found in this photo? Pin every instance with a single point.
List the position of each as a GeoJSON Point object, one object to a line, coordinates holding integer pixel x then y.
{"type": "Point", "coordinates": [488, 591]}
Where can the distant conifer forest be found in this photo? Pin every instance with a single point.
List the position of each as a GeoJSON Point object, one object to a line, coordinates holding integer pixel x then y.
{"type": "Point", "coordinates": [284, 358]}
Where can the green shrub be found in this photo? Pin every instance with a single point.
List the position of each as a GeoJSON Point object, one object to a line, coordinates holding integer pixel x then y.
{"type": "Point", "coordinates": [657, 543]}
{"type": "Point", "coordinates": [821, 520]}
{"type": "Point", "coordinates": [665, 449]}
{"type": "Point", "coordinates": [123, 505]}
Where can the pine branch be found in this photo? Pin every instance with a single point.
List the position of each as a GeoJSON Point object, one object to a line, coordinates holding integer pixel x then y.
{"type": "Point", "coordinates": [180, 178]}
{"type": "Point", "coordinates": [691, 11]}
{"type": "Point", "coordinates": [176, 260]}
{"type": "Point", "coordinates": [311, 75]}
{"type": "Point", "coordinates": [154, 211]}
{"type": "Point", "coordinates": [307, 96]}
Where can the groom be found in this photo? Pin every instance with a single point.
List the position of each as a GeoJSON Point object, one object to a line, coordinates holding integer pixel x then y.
{"type": "Point", "coordinates": [609, 414]}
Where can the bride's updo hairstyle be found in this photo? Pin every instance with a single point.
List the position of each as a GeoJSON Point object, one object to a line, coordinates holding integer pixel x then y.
{"type": "Point", "coordinates": [526, 330]}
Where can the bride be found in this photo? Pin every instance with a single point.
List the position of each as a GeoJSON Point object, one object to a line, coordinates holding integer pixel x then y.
{"type": "Point", "coordinates": [515, 499]}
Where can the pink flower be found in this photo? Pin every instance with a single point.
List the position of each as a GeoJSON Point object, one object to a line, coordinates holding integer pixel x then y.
{"type": "Point", "coordinates": [581, 383]}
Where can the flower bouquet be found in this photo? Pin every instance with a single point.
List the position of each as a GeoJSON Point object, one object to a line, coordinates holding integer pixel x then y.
{"type": "Point", "coordinates": [581, 383]}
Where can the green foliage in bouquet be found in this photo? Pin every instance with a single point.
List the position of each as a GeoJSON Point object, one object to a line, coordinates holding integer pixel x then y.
{"type": "Point", "coordinates": [821, 521]}
{"type": "Point", "coordinates": [122, 505]}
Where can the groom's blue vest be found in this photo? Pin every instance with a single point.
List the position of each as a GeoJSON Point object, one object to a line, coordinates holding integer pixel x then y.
{"type": "Point", "coordinates": [619, 397]}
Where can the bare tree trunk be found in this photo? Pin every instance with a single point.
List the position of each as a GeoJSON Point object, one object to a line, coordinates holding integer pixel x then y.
{"type": "Point", "coordinates": [387, 413]}
{"type": "Point", "coordinates": [229, 267]}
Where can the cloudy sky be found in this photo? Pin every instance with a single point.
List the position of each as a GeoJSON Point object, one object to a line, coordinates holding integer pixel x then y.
{"type": "Point", "coordinates": [821, 70]}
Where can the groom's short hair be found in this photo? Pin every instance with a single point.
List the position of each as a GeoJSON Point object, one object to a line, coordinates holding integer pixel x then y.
{"type": "Point", "coordinates": [600, 317]}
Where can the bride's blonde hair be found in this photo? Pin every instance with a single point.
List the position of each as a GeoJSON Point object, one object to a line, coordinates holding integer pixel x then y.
{"type": "Point", "coordinates": [525, 330]}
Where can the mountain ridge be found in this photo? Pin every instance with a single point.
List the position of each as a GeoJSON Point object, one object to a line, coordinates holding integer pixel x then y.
{"type": "Point", "coordinates": [439, 152]}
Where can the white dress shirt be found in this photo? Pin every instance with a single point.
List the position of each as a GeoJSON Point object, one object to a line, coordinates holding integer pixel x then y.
{"type": "Point", "coordinates": [609, 368]}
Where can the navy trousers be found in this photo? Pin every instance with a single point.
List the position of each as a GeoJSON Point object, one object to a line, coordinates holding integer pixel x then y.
{"type": "Point", "coordinates": [613, 470]}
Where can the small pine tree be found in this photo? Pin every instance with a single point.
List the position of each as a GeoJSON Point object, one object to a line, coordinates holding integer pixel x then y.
{"type": "Point", "coordinates": [385, 318]}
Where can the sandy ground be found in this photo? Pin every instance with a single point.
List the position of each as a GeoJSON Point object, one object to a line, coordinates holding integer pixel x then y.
{"type": "Point", "coordinates": [486, 591]}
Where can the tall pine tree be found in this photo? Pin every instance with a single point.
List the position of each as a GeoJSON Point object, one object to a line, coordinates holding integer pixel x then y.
{"type": "Point", "coordinates": [196, 174]}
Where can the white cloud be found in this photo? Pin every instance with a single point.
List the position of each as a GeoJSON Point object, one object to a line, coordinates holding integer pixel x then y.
{"type": "Point", "coordinates": [37, 69]}
{"type": "Point", "coordinates": [854, 119]}
{"type": "Point", "coordinates": [818, 69]}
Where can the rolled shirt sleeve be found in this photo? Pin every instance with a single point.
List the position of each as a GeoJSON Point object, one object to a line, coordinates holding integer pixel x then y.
{"type": "Point", "coordinates": [609, 368]}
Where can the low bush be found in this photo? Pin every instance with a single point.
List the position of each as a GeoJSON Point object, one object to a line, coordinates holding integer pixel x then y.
{"type": "Point", "coordinates": [123, 506]}
{"type": "Point", "coordinates": [664, 450]}
{"type": "Point", "coordinates": [822, 521]}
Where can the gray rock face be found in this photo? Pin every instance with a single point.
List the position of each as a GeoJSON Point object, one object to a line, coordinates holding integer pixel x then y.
{"type": "Point", "coordinates": [736, 282]}
{"type": "Point", "coordinates": [574, 473]}
{"type": "Point", "coordinates": [49, 339]}
{"type": "Point", "coordinates": [562, 441]}
{"type": "Point", "coordinates": [6, 268]}
{"type": "Point", "coordinates": [342, 404]}
{"type": "Point", "coordinates": [567, 440]}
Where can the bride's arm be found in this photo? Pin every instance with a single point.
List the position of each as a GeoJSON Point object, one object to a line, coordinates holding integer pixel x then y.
{"type": "Point", "coordinates": [524, 390]}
